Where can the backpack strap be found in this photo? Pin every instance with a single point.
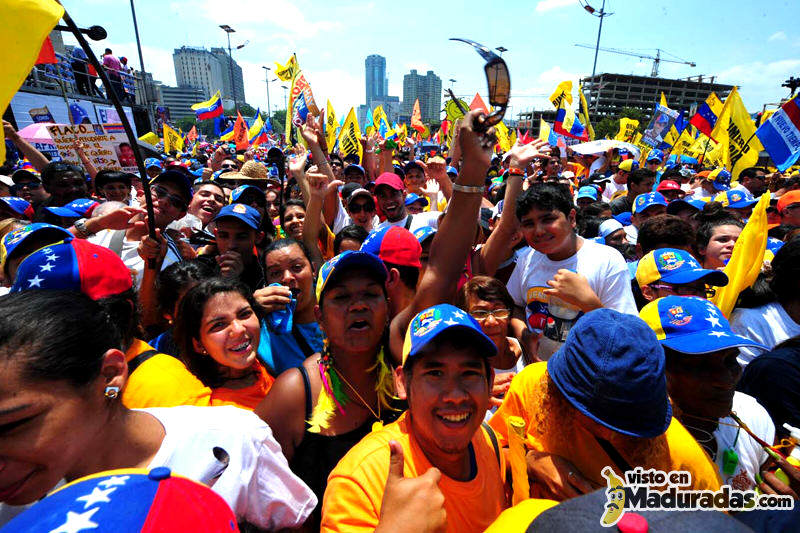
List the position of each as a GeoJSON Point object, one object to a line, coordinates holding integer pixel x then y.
{"type": "Point", "coordinates": [134, 363]}
{"type": "Point", "coordinates": [493, 438]}
{"type": "Point", "coordinates": [117, 241]}
{"type": "Point", "coordinates": [408, 222]}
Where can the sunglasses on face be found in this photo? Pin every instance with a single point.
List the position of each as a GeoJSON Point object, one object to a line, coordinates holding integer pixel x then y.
{"type": "Point", "coordinates": [228, 167]}
{"type": "Point", "coordinates": [28, 185]}
{"type": "Point", "coordinates": [687, 290]}
{"type": "Point", "coordinates": [175, 201]}
{"type": "Point", "coordinates": [336, 164]}
{"type": "Point", "coordinates": [357, 208]}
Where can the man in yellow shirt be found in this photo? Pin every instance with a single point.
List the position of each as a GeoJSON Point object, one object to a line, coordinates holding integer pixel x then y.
{"type": "Point", "coordinates": [435, 468]}
{"type": "Point", "coordinates": [600, 400]}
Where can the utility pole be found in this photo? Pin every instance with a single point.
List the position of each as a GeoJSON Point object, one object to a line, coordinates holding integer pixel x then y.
{"type": "Point", "coordinates": [142, 71]}
{"type": "Point", "coordinates": [230, 30]}
{"type": "Point", "coordinates": [269, 107]}
{"type": "Point", "coordinates": [601, 14]}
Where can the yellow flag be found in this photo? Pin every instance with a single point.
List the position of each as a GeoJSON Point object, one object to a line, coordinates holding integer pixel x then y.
{"type": "Point", "coordinates": [544, 130]}
{"type": "Point", "coordinates": [288, 71]}
{"type": "Point", "coordinates": [766, 114]}
{"type": "Point", "coordinates": [377, 113]}
{"type": "Point", "coordinates": [27, 23]}
{"type": "Point", "coordinates": [583, 113]}
{"type": "Point", "coordinates": [747, 258]}
{"type": "Point", "coordinates": [735, 129]}
{"type": "Point", "coordinates": [150, 138]}
{"type": "Point", "coordinates": [501, 131]}
{"type": "Point", "coordinates": [627, 129]}
{"type": "Point", "coordinates": [172, 140]}
{"type": "Point", "coordinates": [684, 142]}
{"type": "Point", "coordinates": [564, 90]}
{"type": "Point", "coordinates": [330, 127]}
{"type": "Point", "coordinates": [402, 134]}
{"type": "Point", "coordinates": [349, 142]}
{"type": "Point", "coordinates": [663, 100]}
{"type": "Point", "coordinates": [512, 139]}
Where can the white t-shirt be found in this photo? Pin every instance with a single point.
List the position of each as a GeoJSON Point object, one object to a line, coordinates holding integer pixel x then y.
{"type": "Point", "coordinates": [632, 234]}
{"type": "Point", "coordinates": [769, 325]}
{"type": "Point", "coordinates": [550, 317]}
{"type": "Point", "coordinates": [130, 253]}
{"type": "Point", "coordinates": [343, 219]}
{"type": "Point", "coordinates": [257, 484]}
{"type": "Point", "coordinates": [750, 453]}
{"type": "Point", "coordinates": [428, 218]}
{"type": "Point", "coordinates": [612, 187]}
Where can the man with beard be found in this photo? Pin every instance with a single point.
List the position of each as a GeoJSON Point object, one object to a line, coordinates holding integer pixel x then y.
{"type": "Point", "coordinates": [389, 193]}
{"type": "Point", "coordinates": [64, 183]}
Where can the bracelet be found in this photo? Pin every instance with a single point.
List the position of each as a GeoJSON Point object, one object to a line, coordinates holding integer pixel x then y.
{"type": "Point", "coordinates": [516, 172]}
{"type": "Point", "coordinates": [83, 232]}
{"type": "Point", "coordinates": [468, 189]}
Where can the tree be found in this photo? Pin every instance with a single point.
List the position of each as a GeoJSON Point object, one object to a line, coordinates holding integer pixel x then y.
{"type": "Point", "coordinates": [185, 123]}
{"type": "Point", "coordinates": [609, 126]}
{"type": "Point", "coordinates": [279, 120]}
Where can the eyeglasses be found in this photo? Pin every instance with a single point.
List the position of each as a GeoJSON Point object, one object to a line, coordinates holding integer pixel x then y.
{"type": "Point", "coordinates": [702, 291]}
{"type": "Point", "coordinates": [228, 167]}
{"type": "Point", "coordinates": [176, 201]}
{"type": "Point", "coordinates": [28, 185]}
{"type": "Point", "coordinates": [336, 164]}
{"type": "Point", "coordinates": [499, 81]}
{"type": "Point", "coordinates": [357, 208]}
{"type": "Point", "coordinates": [481, 314]}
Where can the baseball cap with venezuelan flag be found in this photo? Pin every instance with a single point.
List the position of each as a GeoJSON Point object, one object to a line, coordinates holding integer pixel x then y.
{"type": "Point", "coordinates": [434, 321]}
{"type": "Point", "coordinates": [345, 260]}
{"type": "Point", "coordinates": [692, 325]}
{"type": "Point", "coordinates": [676, 266]}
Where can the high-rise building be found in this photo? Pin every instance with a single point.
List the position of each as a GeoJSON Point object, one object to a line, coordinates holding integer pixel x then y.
{"type": "Point", "coordinates": [179, 100]}
{"type": "Point", "coordinates": [428, 89]}
{"type": "Point", "coordinates": [377, 82]}
{"type": "Point", "coordinates": [209, 71]}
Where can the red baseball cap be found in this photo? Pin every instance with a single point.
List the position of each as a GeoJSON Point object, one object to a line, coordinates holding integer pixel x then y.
{"type": "Point", "coordinates": [395, 245]}
{"type": "Point", "coordinates": [390, 179]}
{"type": "Point", "coordinates": [668, 185]}
{"type": "Point", "coordinates": [789, 198]}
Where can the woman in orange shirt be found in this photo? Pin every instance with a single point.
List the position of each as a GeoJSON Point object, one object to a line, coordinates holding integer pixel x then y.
{"type": "Point", "coordinates": [218, 331]}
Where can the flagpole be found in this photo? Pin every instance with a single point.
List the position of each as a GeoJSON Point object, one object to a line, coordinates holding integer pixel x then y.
{"type": "Point", "coordinates": [703, 157]}
{"type": "Point", "coordinates": [126, 125]}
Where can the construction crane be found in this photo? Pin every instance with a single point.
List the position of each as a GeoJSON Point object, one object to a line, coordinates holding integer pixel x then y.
{"type": "Point", "coordinates": [656, 59]}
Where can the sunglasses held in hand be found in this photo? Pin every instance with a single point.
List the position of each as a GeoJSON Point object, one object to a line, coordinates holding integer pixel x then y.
{"type": "Point", "coordinates": [499, 81]}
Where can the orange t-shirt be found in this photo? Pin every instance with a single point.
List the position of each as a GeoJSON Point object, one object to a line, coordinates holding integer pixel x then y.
{"type": "Point", "coordinates": [353, 498]}
{"type": "Point", "coordinates": [248, 397]}
{"type": "Point", "coordinates": [551, 425]}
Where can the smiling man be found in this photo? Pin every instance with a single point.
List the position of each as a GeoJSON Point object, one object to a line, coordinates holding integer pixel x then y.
{"type": "Point", "coordinates": [389, 193]}
{"type": "Point", "coordinates": [562, 276]}
{"type": "Point", "coordinates": [439, 441]}
{"type": "Point", "coordinates": [236, 228]}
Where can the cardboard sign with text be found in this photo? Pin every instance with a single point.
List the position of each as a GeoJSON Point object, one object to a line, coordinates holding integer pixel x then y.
{"type": "Point", "coordinates": [105, 145]}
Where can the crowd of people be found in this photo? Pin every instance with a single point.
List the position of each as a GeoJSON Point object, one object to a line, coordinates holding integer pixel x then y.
{"type": "Point", "coordinates": [340, 344]}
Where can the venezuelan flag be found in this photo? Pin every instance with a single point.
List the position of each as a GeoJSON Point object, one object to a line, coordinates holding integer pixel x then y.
{"type": "Point", "coordinates": [567, 123]}
{"type": "Point", "coordinates": [209, 109]}
{"type": "Point", "coordinates": [707, 114]}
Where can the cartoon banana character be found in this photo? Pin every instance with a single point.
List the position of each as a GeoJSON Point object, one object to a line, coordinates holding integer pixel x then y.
{"type": "Point", "coordinates": [615, 498]}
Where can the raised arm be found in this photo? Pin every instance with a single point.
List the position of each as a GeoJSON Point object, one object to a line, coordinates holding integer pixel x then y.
{"type": "Point", "coordinates": [453, 241]}
{"type": "Point", "coordinates": [500, 243]}
{"type": "Point", "coordinates": [37, 158]}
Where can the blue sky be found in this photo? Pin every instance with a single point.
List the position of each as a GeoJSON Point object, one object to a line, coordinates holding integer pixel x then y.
{"type": "Point", "coordinates": [750, 44]}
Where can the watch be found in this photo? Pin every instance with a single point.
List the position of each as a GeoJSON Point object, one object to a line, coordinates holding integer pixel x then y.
{"type": "Point", "coordinates": [83, 231]}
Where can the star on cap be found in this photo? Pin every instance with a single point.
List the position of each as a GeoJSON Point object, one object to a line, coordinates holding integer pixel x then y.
{"type": "Point", "coordinates": [718, 334]}
{"type": "Point", "coordinates": [114, 481]}
{"type": "Point", "coordinates": [35, 281]}
{"type": "Point", "coordinates": [47, 267]}
{"type": "Point", "coordinates": [451, 322]}
{"type": "Point", "coordinates": [77, 522]}
{"type": "Point", "coordinates": [98, 495]}
{"type": "Point", "coordinates": [714, 320]}
{"type": "Point", "coordinates": [51, 257]}
{"type": "Point", "coordinates": [458, 314]}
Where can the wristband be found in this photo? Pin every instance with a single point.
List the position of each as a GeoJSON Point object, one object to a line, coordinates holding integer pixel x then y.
{"type": "Point", "coordinates": [468, 189]}
{"type": "Point", "coordinates": [516, 172]}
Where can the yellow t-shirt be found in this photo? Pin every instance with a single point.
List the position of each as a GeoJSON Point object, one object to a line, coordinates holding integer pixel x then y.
{"type": "Point", "coordinates": [517, 519]}
{"type": "Point", "coordinates": [353, 498]}
{"type": "Point", "coordinates": [551, 425]}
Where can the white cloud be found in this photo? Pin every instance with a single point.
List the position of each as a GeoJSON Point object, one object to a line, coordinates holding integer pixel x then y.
{"type": "Point", "coordinates": [259, 14]}
{"type": "Point", "coordinates": [760, 82]}
{"type": "Point", "coordinates": [548, 5]}
{"type": "Point", "coordinates": [777, 36]}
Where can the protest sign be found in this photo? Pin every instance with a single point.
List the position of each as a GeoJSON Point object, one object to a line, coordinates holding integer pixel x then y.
{"type": "Point", "coordinates": [106, 145]}
{"type": "Point", "coordinates": [660, 124]}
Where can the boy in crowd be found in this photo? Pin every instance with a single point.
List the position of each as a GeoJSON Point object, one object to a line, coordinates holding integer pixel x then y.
{"type": "Point", "coordinates": [670, 271]}
{"type": "Point", "coordinates": [640, 181]}
{"type": "Point", "coordinates": [562, 276]}
{"type": "Point", "coordinates": [646, 206]}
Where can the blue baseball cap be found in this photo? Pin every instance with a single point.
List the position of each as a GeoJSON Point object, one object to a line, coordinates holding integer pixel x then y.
{"type": "Point", "coordinates": [678, 204]}
{"type": "Point", "coordinates": [127, 500]}
{"type": "Point", "coordinates": [623, 218]}
{"type": "Point", "coordinates": [423, 233]}
{"type": "Point", "coordinates": [644, 201]}
{"type": "Point", "coordinates": [412, 197]}
{"type": "Point", "coordinates": [82, 207]}
{"type": "Point", "coordinates": [607, 227]}
{"type": "Point", "coordinates": [736, 199]}
{"type": "Point", "coordinates": [241, 189]}
{"type": "Point", "coordinates": [672, 265]}
{"type": "Point", "coordinates": [655, 154]}
{"type": "Point", "coordinates": [587, 191]}
{"type": "Point", "coordinates": [348, 259]}
{"type": "Point", "coordinates": [356, 167]}
{"type": "Point", "coordinates": [692, 325]}
{"type": "Point", "coordinates": [245, 213]}
{"type": "Point", "coordinates": [20, 206]}
{"type": "Point", "coordinates": [452, 170]}
{"type": "Point", "coordinates": [49, 233]}
{"type": "Point", "coordinates": [611, 369]}
{"type": "Point", "coordinates": [433, 321]}
{"type": "Point", "coordinates": [151, 162]}
{"type": "Point", "coordinates": [720, 179]}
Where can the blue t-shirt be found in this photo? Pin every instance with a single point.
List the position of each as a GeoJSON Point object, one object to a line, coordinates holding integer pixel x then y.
{"type": "Point", "coordinates": [165, 343]}
{"type": "Point", "coordinates": [280, 351]}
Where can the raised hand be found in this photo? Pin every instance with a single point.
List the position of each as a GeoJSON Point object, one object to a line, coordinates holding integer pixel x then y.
{"type": "Point", "coordinates": [273, 298]}
{"type": "Point", "coordinates": [523, 154]}
{"type": "Point", "coordinates": [474, 145]}
{"type": "Point", "coordinates": [411, 504]}
{"type": "Point", "coordinates": [573, 288]}
{"type": "Point", "coordinates": [297, 164]}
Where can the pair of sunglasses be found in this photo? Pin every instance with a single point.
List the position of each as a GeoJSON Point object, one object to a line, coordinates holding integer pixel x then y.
{"type": "Point", "coordinates": [499, 81]}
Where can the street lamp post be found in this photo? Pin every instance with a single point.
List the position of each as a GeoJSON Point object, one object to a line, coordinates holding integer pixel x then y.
{"type": "Point", "coordinates": [601, 15]}
{"type": "Point", "coordinates": [285, 105]}
{"type": "Point", "coordinates": [143, 73]}
{"type": "Point", "coordinates": [230, 30]}
{"type": "Point", "coordinates": [269, 107]}
{"type": "Point", "coordinates": [501, 49]}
